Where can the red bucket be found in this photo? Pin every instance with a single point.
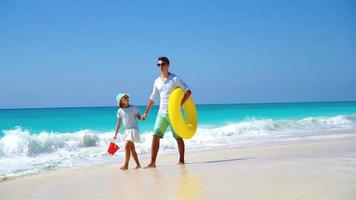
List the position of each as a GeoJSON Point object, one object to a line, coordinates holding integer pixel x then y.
{"type": "Point", "coordinates": [113, 148]}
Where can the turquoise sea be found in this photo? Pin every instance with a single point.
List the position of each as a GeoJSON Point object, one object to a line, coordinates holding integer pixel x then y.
{"type": "Point", "coordinates": [33, 140]}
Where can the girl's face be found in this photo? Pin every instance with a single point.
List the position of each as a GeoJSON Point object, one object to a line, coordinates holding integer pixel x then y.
{"type": "Point", "coordinates": [125, 100]}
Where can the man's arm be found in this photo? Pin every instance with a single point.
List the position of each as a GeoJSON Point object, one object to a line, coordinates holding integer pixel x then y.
{"type": "Point", "coordinates": [148, 108]}
{"type": "Point", "coordinates": [187, 94]}
{"type": "Point", "coordinates": [184, 86]}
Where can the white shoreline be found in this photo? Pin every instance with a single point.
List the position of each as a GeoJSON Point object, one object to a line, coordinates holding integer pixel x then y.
{"type": "Point", "coordinates": [316, 169]}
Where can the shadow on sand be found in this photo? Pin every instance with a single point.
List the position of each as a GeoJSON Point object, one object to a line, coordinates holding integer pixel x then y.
{"type": "Point", "coordinates": [221, 161]}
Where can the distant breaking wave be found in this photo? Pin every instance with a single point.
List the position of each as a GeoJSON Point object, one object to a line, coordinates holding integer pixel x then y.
{"type": "Point", "coordinates": [24, 153]}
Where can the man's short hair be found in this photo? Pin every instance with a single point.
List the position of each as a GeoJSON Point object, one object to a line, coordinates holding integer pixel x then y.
{"type": "Point", "coordinates": [164, 59]}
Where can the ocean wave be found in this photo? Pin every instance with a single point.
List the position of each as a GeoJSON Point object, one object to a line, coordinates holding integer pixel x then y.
{"type": "Point", "coordinates": [24, 153]}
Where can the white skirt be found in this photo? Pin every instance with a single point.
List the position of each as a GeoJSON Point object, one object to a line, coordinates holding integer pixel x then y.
{"type": "Point", "coordinates": [131, 135]}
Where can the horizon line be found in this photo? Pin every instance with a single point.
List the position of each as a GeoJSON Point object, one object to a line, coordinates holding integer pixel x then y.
{"type": "Point", "coordinates": [241, 103]}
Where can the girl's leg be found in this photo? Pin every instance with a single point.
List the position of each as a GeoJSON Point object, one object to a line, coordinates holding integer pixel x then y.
{"type": "Point", "coordinates": [134, 155]}
{"type": "Point", "coordinates": [125, 166]}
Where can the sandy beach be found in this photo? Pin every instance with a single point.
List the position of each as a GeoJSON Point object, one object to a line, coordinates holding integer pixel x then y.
{"type": "Point", "coordinates": [318, 169]}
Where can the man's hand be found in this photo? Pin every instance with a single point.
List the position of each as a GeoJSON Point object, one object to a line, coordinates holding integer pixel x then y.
{"type": "Point", "coordinates": [186, 96]}
{"type": "Point", "coordinates": [144, 116]}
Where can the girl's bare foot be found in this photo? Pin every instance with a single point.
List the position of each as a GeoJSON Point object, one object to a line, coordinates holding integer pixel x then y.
{"type": "Point", "coordinates": [124, 167]}
{"type": "Point", "coordinates": [138, 167]}
{"type": "Point", "coordinates": [151, 165]}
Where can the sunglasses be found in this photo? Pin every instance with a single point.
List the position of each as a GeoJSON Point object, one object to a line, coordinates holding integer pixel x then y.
{"type": "Point", "coordinates": [160, 65]}
{"type": "Point", "coordinates": [126, 97]}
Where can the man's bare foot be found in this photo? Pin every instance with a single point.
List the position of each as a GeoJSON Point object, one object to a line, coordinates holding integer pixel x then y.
{"type": "Point", "coordinates": [124, 167]}
{"type": "Point", "coordinates": [180, 163]}
{"type": "Point", "coordinates": [137, 167]}
{"type": "Point", "coordinates": [151, 165]}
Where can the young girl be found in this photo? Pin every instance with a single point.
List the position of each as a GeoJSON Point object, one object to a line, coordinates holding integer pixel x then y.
{"type": "Point", "coordinates": [128, 115]}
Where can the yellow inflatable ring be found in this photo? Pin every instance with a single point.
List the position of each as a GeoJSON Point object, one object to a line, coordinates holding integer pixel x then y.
{"type": "Point", "coordinates": [187, 127]}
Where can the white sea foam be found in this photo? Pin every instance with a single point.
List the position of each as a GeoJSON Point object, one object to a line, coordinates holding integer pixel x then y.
{"type": "Point", "coordinates": [24, 153]}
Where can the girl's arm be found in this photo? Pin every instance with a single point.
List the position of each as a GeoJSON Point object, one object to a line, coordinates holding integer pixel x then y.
{"type": "Point", "coordinates": [118, 124]}
{"type": "Point", "coordinates": [138, 116]}
{"type": "Point", "coordinates": [137, 113]}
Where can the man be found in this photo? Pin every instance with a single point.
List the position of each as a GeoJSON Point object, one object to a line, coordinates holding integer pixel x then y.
{"type": "Point", "coordinates": [163, 86]}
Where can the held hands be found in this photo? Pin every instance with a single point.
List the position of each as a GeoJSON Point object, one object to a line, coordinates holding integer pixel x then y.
{"type": "Point", "coordinates": [144, 116]}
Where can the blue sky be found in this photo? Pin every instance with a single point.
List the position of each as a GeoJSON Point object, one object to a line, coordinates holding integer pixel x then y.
{"type": "Point", "coordinates": [81, 53]}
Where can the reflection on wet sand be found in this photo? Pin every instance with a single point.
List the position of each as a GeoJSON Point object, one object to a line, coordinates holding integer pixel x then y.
{"type": "Point", "coordinates": [188, 186]}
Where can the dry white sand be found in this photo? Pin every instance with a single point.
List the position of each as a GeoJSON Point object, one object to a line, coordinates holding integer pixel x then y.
{"type": "Point", "coordinates": [324, 169]}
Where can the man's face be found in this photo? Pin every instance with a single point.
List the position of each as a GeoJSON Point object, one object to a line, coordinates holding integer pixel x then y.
{"type": "Point", "coordinates": [163, 67]}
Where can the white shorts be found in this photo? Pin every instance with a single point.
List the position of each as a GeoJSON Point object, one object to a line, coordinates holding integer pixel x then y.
{"type": "Point", "coordinates": [131, 135]}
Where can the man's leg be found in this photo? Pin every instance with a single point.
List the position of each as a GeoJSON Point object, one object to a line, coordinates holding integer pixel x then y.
{"type": "Point", "coordinates": [160, 128]}
{"type": "Point", "coordinates": [181, 149]}
{"type": "Point", "coordinates": [154, 151]}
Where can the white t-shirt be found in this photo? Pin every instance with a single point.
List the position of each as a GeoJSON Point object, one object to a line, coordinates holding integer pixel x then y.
{"type": "Point", "coordinates": [164, 88]}
{"type": "Point", "coordinates": [128, 117]}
